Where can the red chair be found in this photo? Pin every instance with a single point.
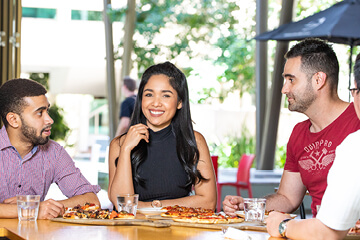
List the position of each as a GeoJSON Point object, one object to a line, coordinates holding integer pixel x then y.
{"type": "Point", "coordinates": [242, 178]}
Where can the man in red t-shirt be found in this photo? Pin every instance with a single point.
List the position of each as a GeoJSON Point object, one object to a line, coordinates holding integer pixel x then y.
{"type": "Point", "coordinates": [311, 80]}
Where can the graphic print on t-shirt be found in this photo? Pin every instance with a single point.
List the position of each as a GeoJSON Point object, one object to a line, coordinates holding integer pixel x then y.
{"type": "Point", "coordinates": [318, 156]}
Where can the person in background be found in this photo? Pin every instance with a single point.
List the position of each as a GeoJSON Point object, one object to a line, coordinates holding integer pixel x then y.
{"type": "Point", "coordinates": [127, 106]}
{"type": "Point", "coordinates": [29, 161]}
{"type": "Point", "coordinates": [161, 157]}
{"type": "Point", "coordinates": [311, 75]}
{"type": "Point", "coordinates": [340, 206]}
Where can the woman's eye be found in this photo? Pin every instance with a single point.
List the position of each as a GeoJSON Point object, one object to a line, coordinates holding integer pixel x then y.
{"type": "Point", "coordinates": [148, 95]}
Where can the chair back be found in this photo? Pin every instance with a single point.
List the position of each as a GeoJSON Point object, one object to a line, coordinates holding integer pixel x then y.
{"type": "Point", "coordinates": [243, 173]}
{"type": "Point", "coordinates": [214, 160]}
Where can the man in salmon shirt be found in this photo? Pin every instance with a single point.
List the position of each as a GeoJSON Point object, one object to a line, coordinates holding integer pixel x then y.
{"type": "Point", "coordinates": [311, 80]}
{"type": "Point", "coordinates": [29, 161]}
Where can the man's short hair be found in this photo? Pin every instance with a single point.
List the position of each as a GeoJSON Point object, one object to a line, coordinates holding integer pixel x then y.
{"type": "Point", "coordinates": [357, 70]}
{"type": "Point", "coordinates": [130, 84]}
{"type": "Point", "coordinates": [317, 56]}
{"type": "Point", "coordinates": [13, 92]}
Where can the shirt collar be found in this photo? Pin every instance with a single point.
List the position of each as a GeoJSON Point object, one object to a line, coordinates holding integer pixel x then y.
{"type": "Point", "coordinates": [5, 141]}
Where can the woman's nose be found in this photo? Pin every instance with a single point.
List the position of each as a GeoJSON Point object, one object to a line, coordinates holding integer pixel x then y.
{"type": "Point", "coordinates": [157, 101]}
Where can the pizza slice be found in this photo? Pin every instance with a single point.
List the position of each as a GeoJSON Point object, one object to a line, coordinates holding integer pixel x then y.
{"type": "Point", "coordinates": [185, 219]}
{"type": "Point", "coordinates": [124, 215]}
{"type": "Point", "coordinates": [234, 219]}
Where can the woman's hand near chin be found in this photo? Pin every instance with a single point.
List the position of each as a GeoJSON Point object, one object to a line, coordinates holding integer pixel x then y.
{"type": "Point", "coordinates": [135, 134]}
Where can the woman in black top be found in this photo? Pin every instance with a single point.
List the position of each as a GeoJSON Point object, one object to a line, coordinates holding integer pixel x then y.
{"type": "Point", "coordinates": [161, 157]}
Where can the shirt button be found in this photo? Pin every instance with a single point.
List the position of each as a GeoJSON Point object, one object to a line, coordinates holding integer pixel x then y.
{"type": "Point", "coordinates": [19, 186]}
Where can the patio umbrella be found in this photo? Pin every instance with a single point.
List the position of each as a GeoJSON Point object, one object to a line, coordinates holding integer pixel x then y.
{"type": "Point", "coordinates": [339, 24]}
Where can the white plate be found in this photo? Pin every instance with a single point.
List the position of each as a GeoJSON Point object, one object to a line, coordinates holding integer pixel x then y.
{"type": "Point", "coordinates": [151, 211]}
{"type": "Point", "coordinates": [242, 214]}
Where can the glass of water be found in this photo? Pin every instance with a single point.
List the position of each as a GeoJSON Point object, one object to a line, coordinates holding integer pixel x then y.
{"type": "Point", "coordinates": [254, 209]}
{"type": "Point", "coordinates": [128, 203]}
{"type": "Point", "coordinates": [28, 207]}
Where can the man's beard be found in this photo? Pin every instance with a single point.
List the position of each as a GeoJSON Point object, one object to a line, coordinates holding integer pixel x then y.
{"type": "Point", "coordinates": [302, 103]}
{"type": "Point", "coordinates": [30, 134]}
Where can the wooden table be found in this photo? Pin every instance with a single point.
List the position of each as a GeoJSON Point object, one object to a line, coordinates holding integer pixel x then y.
{"type": "Point", "coordinates": [46, 229]}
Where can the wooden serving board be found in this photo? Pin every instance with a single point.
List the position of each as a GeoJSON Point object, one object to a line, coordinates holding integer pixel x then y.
{"type": "Point", "coordinates": [241, 226]}
{"type": "Point", "coordinates": [352, 236]}
{"type": "Point", "coordinates": [114, 222]}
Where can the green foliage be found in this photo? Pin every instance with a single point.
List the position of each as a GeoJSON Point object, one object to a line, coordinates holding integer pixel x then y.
{"type": "Point", "coordinates": [188, 27]}
{"type": "Point", "coordinates": [230, 152]}
{"type": "Point", "coordinates": [168, 29]}
{"type": "Point", "coordinates": [42, 78]}
{"type": "Point", "coordinates": [238, 58]}
{"type": "Point", "coordinates": [59, 129]}
{"type": "Point", "coordinates": [307, 8]}
{"type": "Point", "coordinates": [280, 157]}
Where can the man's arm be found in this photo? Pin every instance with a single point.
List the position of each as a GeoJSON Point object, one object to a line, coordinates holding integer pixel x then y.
{"type": "Point", "coordinates": [47, 209]}
{"type": "Point", "coordinates": [287, 199]}
{"type": "Point", "coordinates": [8, 210]}
{"type": "Point", "coordinates": [81, 199]}
{"type": "Point", "coordinates": [302, 229]}
{"type": "Point", "coordinates": [290, 194]}
{"type": "Point", "coordinates": [51, 208]}
{"type": "Point", "coordinates": [123, 126]}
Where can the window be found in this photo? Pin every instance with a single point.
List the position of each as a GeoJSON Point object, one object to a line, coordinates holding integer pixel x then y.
{"type": "Point", "coordinates": [39, 12]}
{"type": "Point", "coordinates": [86, 15]}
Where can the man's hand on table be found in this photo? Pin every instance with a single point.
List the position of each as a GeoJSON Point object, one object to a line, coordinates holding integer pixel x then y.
{"type": "Point", "coordinates": [50, 209]}
{"type": "Point", "coordinates": [231, 204]}
{"type": "Point", "coordinates": [273, 221]}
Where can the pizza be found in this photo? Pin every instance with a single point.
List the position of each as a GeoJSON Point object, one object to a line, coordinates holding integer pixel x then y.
{"type": "Point", "coordinates": [197, 215]}
{"type": "Point", "coordinates": [93, 211]}
{"type": "Point", "coordinates": [181, 211]}
{"type": "Point", "coordinates": [356, 228]}
{"type": "Point", "coordinates": [89, 206]}
{"type": "Point", "coordinates": [215, 219]}
{"type": "Point", "coordinates": [234, 219]}
{"type": "Point", "coordinates": [124, 215]}
{"type": "Point", "coordinates": [74, 215]}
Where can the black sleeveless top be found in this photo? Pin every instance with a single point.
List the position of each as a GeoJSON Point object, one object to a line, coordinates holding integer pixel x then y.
{"type": "Point", "coordinates": [162, 172]}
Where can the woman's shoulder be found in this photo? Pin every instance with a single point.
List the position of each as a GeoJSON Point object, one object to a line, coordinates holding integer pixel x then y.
{"type": "Point", "coordinates": [117, 141]}
{"type": "Point", "coordinates": [199, 137]}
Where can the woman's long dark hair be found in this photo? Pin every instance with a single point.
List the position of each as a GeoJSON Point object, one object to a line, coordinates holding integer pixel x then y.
{"type": "Point", "coordinates": [186, 147]}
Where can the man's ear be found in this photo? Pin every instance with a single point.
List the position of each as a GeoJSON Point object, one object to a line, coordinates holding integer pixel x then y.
{"type": "Point", "coordinates": [13, 119]}
{"type": "Point", "coordinates": [320, 79]}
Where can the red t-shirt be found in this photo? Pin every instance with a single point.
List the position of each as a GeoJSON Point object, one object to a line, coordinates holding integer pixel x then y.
{"type": "Point", "coordinates": [312, 154]}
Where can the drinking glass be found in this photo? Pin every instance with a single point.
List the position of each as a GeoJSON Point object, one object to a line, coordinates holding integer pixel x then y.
{"type": "Point", "coordinates": [128, 203]}
{"type": "Point", "coordinates": [28, 207]}
{"type": "Point", "coordinates": [254, 209]}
